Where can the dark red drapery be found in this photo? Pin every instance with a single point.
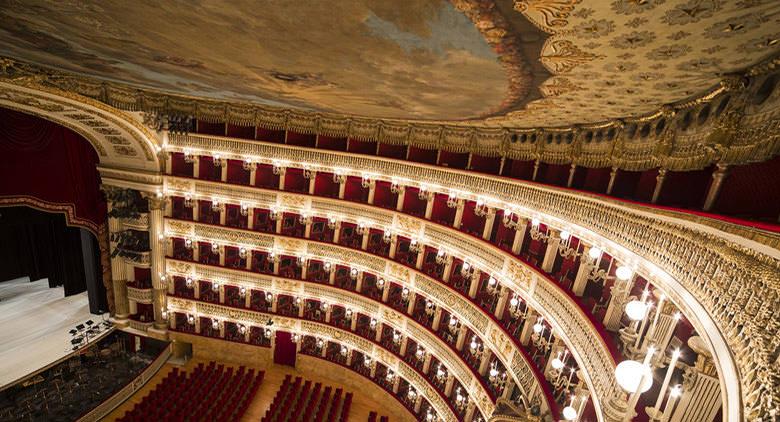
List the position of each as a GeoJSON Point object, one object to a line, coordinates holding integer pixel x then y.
{"type": "Point", "coordinates": [49, 167]}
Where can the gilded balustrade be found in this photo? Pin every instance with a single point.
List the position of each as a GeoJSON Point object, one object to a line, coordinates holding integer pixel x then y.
{"type": "Point", "coordinates": [707, 266]}
{"type": "Point", "coordinates": [319, 330]}
{"type": "Point", "coordinates": [353, 300]}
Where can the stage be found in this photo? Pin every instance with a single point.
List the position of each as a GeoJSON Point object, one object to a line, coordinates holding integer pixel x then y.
{"type": "Point", "coordinates": [35, 321]}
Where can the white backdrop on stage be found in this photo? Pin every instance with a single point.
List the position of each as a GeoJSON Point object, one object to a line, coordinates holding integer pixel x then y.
{"type": "Point", "coordinates": [34, 325]}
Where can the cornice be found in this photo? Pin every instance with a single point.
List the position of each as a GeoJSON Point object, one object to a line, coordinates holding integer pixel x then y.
{"type": "Point", "coordinates": [598, 148]}
{"type": "Point", "coordinates": [319, 330]}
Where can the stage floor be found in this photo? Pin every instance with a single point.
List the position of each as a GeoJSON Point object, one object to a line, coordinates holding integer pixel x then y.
{"type": "Point", "coordinates": [34, 325]}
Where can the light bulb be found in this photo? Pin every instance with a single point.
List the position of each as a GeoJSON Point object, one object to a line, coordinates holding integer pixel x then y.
{"type": "Point", "coordinates": [565, 235]}
{"type": "Point", "coordinates": [594, 253]}
{"type": "Point", "coordinates": [538, 328]}
{"type": "Point", "coordinates": [513, 302]}
{"type": "Point", "coordinates": [629, 373]}
{"type": "Point", "coordinates": [569, 413]}
{"type": "Point", "coordinates": [624, 273]}
{"type": "Point", "coordinates": [636, 310]}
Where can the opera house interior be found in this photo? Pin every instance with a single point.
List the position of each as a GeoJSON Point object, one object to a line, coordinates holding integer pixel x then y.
{"type": "Point", "coordinates": [410, 210]}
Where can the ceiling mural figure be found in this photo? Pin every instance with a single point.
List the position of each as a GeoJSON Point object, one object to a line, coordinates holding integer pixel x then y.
{"type": "Point", "coordinates": [508, 63]}
{"type": "Point", "coordinates": [414, 59]}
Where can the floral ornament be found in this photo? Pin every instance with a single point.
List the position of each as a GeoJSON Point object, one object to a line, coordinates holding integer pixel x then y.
{"type": "Point", "coordinates": [633, 40]}
{"type": "Point", "coordinates": [647, 76]}
{"type": "Point", "coordinates": [625, 56]}
{"type": "Point", "coordinates": [583, 13]}
{"type": "Point", "coordinates": [713, 49]}
{"type": "Point", "coordinates": [636, 22]}
{"type": "Point", "coordinates": [762, 43]}
{"type": "Point", "coordinates": [745, 4]}
{"type": "Point", "coordinates": [620, 67]}
{"type": "Point", "coordinates": [699, 65]}
{"type": "Point", "coordinates": [628, 7]}
{"type": "Point", "coordinates": [609, 83]}
{"type": "Point", "coordinates": [668, 85]}
{"type": "Point", "coordinates": [594, 28]}
{"type": "Point", "coordinates": [691, 12]}
{"type": "Point", "coordinates": [592, 45]}
{"type": "Point", "coordinates": [668, 52]}
{"type": "Point", "coordinates": [735, 26]}
{"type": "Point", "coordinates": [677, 36]}
{"type": "Point", "coordinates": [658, 66]}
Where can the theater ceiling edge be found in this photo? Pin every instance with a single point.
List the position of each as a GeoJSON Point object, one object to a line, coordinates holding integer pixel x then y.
{"type": "Point", "coordinates": [521, 63]}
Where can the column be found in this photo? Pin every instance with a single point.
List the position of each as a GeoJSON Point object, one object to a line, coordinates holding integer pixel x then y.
{"type": "Point", "coordinates": [378, 334]}
{"type": "Point", "coordinates": [459, 214]}
{"type": "Point", "coordinates": [572, 169]}
{"type": "Point", "coordinates": [449, 384]}
{"type": "Point", "coordinates": [221, 252]}
{"type": "Point", "coordinates": [118, 277]}
{"type": "Point", "coordinates": [552, 250]}
{"type": "Point", "coordinates": [223, 168]}
{"type": "Point", "coordinates": [429, 205]}
{"type": "Point", "coordinates": [517, 243]}
{"type": "Point", "coordinates": [196, 166]}
{"type": "Point", "coordinates": [328, 313]}
{"type": "Point", "coordinates": [427, 362]}
{"type": "Point", "coordinates": [659, 184]}
{"type": "Point", "coordinates": [528, 327]}
{"type": "Point", "coordinates": [461, 338]}
{"type": "Point", "coordinates": [307, 230]}
{"type": "Point", "coordinates": [399, 205]}
{"type": "Point", "coordinates": [404, 345]}
{"type": "Point", "coordinates": [484, 364]}
{"type": "Point", "coordinates": [252, 182]}
{"type": "Point", "coordinates": [359, 282]}
{"type": "Point", "coordinates": [371, 191]}
{"type": "Point", "coordinates": [583, 272]}
{"type": "Point", "coordinates": [396, 384]}
{"type": "Point", "coordinates": [386, 292]}
{"type": "Point", "coordinates": [282, 172]}
{"type": "Point", "coordinates": [166, 155]}
{"type": "Point", "coordinates": [420, 257]}
{"type": "Point", "coordinates": [364, 242]}
{"type": "Point", "coordinates": [410, 305]}
{"type": "Point", "coordinates": [445, 275]}
{"type": "Point", "coordinates": [436, 319]}
{"type": "Point", "coordinates": [336, 233]}
{"type": "Point", "coordinates": [312, 181]}
{"type": "Point", "coordinates": [251, 218]}
{"type": "Point", "coordinates": [156, 224]}
{"type": "Point", "coordinates": [342, 186]}
{"type": "Point", "coordinates": [718, 176]}
{"type": "Point", "coordinates": [474, 283]}
{"type": "Point", "coordinates": [470, 410]}
{"type": "Point", "coordinates": [612, 176]}
{"type": "Point", "coordinates": [618, 297]}
{"type": "Point", "coordinates": [508, 389]}
{"type": "Point", "coordinates": [418, 401]}
{"type": "Point", "coordinates": [490, 218]}
{"type": "Point", "coordinates": [501, 304]}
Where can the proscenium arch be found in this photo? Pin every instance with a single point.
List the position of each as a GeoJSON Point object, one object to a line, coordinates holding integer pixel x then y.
{"type": "Point", "coordinates": [596, 219]}
{"type": "Point", "coordinates": [119, 139]}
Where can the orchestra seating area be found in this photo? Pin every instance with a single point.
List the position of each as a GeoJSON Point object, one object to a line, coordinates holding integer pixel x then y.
{"type": "Point", "coordinates": [225, 395]}
{"type": "Point", "coordinates": [374, 417]}
{"type": "Point", "coordinates": [298, 401]}
{"type": "Point", "coordinates": [73, 387]}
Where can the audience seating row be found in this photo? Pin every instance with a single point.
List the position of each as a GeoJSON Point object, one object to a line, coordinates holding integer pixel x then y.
{"type": "Point", "coordinates": [297, 401]}
{"type": "Point", "coordinates": [372, 417]}
{"type": "Point", "coordinates": [209, 393]}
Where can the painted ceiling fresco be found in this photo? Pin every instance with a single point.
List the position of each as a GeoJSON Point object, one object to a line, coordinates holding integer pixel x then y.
{"type": "Point", "coordinates": [412, 58]}
{"type": "Point", "coordinates": [515, 63]}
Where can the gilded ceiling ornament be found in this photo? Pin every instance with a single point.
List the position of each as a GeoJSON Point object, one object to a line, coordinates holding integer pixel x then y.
{"type": "Point", "coordinates": [760, 44]}
{"type": "Point", "coordinates": [677, 36]}
{"type": "Point", "coordinates": [668, 52]}
{"type": "Point", "coordinates": [636, 22]}
{"type": "Point", "coordinates": [557, 86]}
{"type": "Point", "coordinates": [633, 40]}
{"type": "Point", "coordinates": [561, 56]}
{"type": "Point", "coordinates": [735, 26]}
{"type": "Point", "coordinates": [699, 65]}
{"type": "Point", "coordinates": [595, 28]}
{"type": "Point", "coordinates": [552, 14]}
{"type": "Point", "coordinates": [692, 12]}
{"type": "Point", "coordinates": [629, 7]}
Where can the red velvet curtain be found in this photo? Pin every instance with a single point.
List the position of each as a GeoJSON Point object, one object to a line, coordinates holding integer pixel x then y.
{"type": "Point", "coordinates": [49, 167]}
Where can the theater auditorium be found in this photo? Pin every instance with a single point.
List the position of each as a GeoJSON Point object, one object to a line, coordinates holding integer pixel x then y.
{"type": "Point", "coordinates": [386, 211]}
